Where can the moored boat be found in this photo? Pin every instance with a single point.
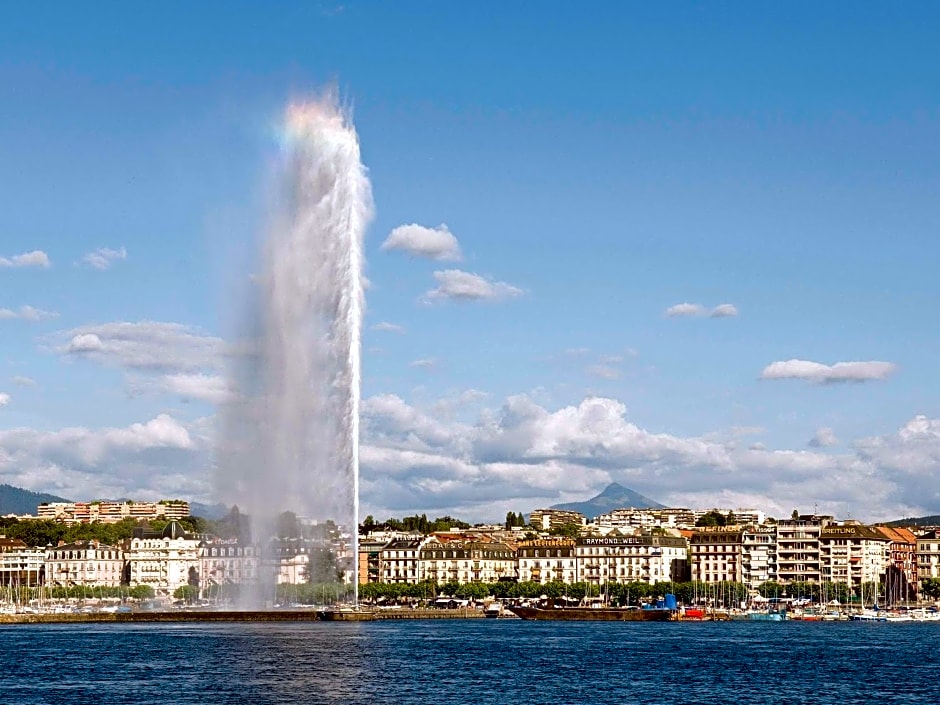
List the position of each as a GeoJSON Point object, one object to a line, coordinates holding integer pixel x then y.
{"type": "Point", "coordinates": [593, 614]}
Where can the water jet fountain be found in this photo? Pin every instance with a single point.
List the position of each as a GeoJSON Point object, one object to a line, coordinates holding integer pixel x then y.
{"type": "Point", "coordinates": [291, 435]}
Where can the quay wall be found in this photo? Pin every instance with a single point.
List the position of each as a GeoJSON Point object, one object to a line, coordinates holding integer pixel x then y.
{"type": "Point", "coordinates": [236, 616]}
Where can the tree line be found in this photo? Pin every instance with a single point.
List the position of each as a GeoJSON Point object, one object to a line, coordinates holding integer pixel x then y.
{"type": "Point", "coordinates": [46, 532]}
{"type": "Point", "coordinates": [23, 594]}
{"type": "Point", "coordinates": [417, 523]}
{"type": "Point", "coordinates": [618, 593]}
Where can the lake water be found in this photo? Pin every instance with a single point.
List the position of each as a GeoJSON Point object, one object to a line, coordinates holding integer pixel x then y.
{"type": "Point", "coordinates": [471, 661]}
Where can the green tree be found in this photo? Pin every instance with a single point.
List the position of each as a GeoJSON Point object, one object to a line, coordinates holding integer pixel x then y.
{"type": "Point", "coordinates": [571, 531]}
{"type": "Point", "coordinates": [770, 588]}
{"type": "Point", "coordinates": [472, 591]}
{"type": "Point", "coordinates": [142, 592]}
{"type": "Point", "coordinates": [930, 587]}
{"type": "Point", "coordinates": [189, 593]}
{"type": "Point", "coordinates": [712, 518]}
{"type": "Point", "coordinates": [368, 525]}
{"type": "Point", "coordinates": [322, 566]}
{"type": "Point", "coordinates": [795, 514]}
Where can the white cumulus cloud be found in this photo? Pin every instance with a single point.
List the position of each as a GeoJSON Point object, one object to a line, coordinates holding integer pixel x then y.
{"type": "Point", "coordinates": [157, 458]}
{"type": "Point", "coordinates": [724, 311]}
{"type": "Point", "coordinates": [387, 327]}
{"type": "Point", "coordinates": [433, 243]}
{"type": "Point", "coordinates": [36, 258]}
{"type": "Point", "coordinates": [689, 310]}
{"type": "Point", "coordinates": [21, 381]}
{"type": "Point", "coordinates": [685, 309]}
{"type": "Point", "coordinates": [104, 257]}
{"type": "Point", "coordinates": [828, 374]}
{"type": "Point", "coordinates": [518, 455]}
{"type": "Point", "coordinates": [824, 437]}
{"type": "Point", "coordinates": [145, 345]}
{"type": "Point", "coordinates": [458, 285]}
{"type": "Point", "coordinates": [200, 387]}
{"type": "Point", "coordinates": [27, 313]}
{"type": "Point", "coordinates": [423, 363]}
{"type": "Point", "coordinates": [523, 455]}
{"type": "Point", "coordinates": [4, 399]}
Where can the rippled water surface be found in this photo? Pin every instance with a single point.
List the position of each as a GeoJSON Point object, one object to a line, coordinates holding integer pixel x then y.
{"type": "Point", "coordinates": [472, 661]}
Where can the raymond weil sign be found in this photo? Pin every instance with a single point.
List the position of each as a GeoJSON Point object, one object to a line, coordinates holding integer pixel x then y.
{"type": "Point", "coordinates": [613, 541]}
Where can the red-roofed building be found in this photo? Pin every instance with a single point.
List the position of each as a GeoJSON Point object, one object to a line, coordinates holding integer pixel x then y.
{"type": "Point", "coordinates": [901, 573]}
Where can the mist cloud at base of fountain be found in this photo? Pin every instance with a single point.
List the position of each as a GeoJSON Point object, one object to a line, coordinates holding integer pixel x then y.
{"type": "Point", "coordinates": [291, 437]}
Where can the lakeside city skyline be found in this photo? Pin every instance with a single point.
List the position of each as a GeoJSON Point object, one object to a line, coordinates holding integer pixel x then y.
{"type": "Point", "coordinates": [691, 253]}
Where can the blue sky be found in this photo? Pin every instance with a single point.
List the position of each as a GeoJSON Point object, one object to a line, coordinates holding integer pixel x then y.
{"type": "Point", "coordinates": [606, 164]}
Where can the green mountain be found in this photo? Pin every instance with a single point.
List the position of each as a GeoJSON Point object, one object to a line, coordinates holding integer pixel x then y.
{"type": "Point", "coordinates": [213, 512]}
{"type": "Point", "coordinates": [14, 500]}
{"type": "Point", "coordinates": [614, 496]}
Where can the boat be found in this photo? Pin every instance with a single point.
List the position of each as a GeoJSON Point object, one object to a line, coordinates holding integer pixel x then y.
{"type": "Point", "coordinates": [771, 614]}
{"type": "Point", "coordinates": [493, 610]}
{"type": "Point", "coordinates": [593, 614]}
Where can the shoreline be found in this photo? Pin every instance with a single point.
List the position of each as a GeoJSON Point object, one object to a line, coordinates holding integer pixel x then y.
{"type": "Point", "coordinates": [150, 617]}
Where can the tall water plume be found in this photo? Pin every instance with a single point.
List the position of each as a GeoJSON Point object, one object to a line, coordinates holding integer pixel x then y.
{"type": "Point", "coordinates": [291, 436]}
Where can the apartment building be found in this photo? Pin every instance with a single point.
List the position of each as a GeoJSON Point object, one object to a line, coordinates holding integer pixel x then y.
{"type": "Point", "coordinates": [798, 552]}
{"type": "Point", "coordinates": [758, 555]}
{"type": "Point", "coordinates": [629, 518]}
{"type": "Point", "coordinates": [20, 564]}
{"type": "Point", "coordinates": [467, 562]}
{"type": "Point", "coordinates": [928, 555]}
{"type": "Point", "coordinates": [901, 573]}
{"type": "Point", "coordinates": [368, 564]}
{"type": "Point", "coordinates": [227, 562]}
{"type": "Point", "coordinates": [111, 512]}
{"type": "Point", "coordinates": [399, 561]}
{"type": "Point", "coordinates": [616, 558]}
{"type": "Point", "coordinates": [548, 519]}
{"type": "Point", "coordinates": [546, 561]}
{"type": "Point", "coordinates": [87, 563]}
{"type": "Point", "coordinates": [738, 517]}
{"type": "Point", "coordinates": [853, 554]}
{"type": "Point", "coordinates": [164, 560]}
{"type": "Point", "coordinates": [717, 554]}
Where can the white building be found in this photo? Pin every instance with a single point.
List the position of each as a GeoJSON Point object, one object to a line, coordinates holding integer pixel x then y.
{"type": "Point", "coordinates": [87, 563]}
{"type": "Point", "coordinates": [164, 560]}
{"type": "Point", "coordinates": [928, 555]}
{"type": "Point", "coordinates": [648, 558]}
{"type": "Point", "coordinates": [635, 518]}
{"type": "Point", "coordinates": [758, 555]}
{"type": "Point", "coordinates": [546, 561]}
{"type": "Point", "coordinates": [547, 519]}
{"type": "Point", "coordinates": [735, 517]}
{"type": "Point", "coordinates": [105, 512]}
{"type": "Point", "coordinates": [798, 552]}
{"type": "Point", "coordinates": [228, 562]}
{"type": "Point", "coordinates": [399, 561]}
{"type": "Point", "coordinates": [853, 554]}
{"type": "Point", "coordinates": [20, 564]}
{"type": "Point", "coordinates": [716, 554]}
{"type": "Point", "coordinates": [467, 562]}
